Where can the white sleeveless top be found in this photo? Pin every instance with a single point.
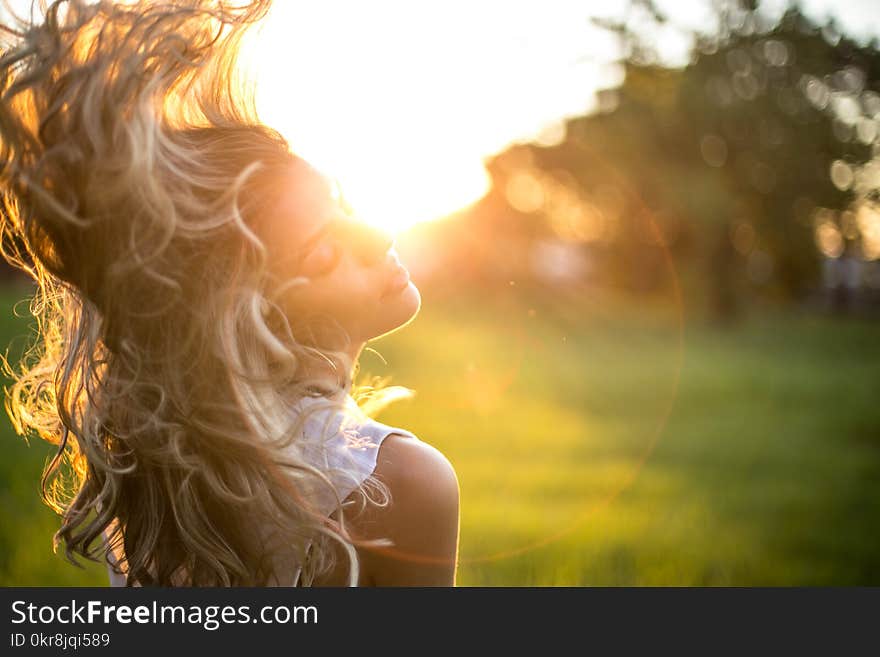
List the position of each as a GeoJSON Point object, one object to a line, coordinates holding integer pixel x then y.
{"type": "Point", "coordinates": [347, 458]}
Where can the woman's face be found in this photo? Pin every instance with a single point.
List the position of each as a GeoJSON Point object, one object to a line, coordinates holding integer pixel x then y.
{"type": "Point", "coordinates": [354, 276]}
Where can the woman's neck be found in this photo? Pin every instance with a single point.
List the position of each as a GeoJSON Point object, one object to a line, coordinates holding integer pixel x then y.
{"type": "Point", "coordinates": [325, 379]}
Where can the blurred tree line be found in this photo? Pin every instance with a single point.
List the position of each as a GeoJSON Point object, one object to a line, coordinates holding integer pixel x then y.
{"type": "Point", "coordinates": [751, 169]}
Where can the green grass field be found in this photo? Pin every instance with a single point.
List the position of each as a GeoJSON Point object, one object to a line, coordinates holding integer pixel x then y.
{"type": "Point", "coordinates": [596, 447]}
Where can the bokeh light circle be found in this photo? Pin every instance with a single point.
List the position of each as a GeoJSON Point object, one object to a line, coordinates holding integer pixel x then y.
{"type": "Point", "coordinates": [493, 385]}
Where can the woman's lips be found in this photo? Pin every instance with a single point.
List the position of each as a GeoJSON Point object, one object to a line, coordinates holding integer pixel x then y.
{"type": "Point", "coordinates": [398, 280]}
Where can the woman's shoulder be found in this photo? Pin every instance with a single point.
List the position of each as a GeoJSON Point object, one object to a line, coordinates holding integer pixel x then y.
{"type": "Point", "coordinates": [422, 520]}
{"type": "Point", "coordinates": [407, 462]}
{"type": "Point", "coordinates": [422, 517]}
{"type": "Point", "coordinates": [349, 447]}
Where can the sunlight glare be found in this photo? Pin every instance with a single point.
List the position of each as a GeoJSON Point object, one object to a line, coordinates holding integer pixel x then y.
{"type": "Point", "coordinates": [402, 102]}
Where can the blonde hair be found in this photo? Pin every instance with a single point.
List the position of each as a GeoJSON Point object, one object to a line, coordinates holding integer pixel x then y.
{"type": "Point", "coordinates": [135, 180]}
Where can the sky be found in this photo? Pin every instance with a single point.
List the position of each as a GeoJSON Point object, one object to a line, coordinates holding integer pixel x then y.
{"type": "Point", "coordinates": [402, 101]}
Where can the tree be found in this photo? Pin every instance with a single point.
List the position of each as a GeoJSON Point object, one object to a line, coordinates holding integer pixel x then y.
{"type": "Point", "coordinates": [728, 161]}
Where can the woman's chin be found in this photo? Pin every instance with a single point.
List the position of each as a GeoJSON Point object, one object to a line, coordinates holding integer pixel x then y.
{"type": "Point", "coordinates": [398, 309]}
{"type": "Point", "coordinates": [406, 301]}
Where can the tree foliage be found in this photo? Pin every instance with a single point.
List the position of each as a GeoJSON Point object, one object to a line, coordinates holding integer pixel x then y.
{"type": "Point", "coordinates": [727, 161]}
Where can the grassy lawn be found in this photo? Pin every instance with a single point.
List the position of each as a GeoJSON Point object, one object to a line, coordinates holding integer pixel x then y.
{"type": "Point", "coordinates": [599, 446]}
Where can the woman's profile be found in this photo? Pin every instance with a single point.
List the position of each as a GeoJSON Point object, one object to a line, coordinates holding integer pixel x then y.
{"type": "Point", "coordinates": [202, 299]}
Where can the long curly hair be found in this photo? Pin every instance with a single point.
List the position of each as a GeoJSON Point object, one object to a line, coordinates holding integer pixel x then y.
{"type": "Point", "coordinates": [136, 183]}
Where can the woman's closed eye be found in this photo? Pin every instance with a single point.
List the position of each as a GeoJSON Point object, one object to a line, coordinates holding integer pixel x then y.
{"type": "Point", "coordinates": [322, 259]}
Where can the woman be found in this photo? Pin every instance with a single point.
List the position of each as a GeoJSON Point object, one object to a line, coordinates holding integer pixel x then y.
{"type": "Point", "coordinates": [202, 300]}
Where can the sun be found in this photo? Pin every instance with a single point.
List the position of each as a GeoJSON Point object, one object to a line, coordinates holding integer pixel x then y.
{"type": "Point", "coordinates": [393, 139]}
